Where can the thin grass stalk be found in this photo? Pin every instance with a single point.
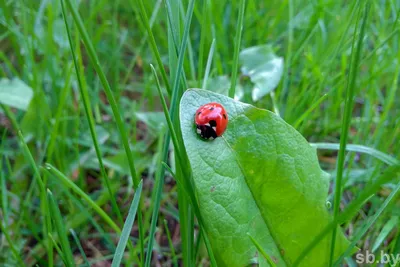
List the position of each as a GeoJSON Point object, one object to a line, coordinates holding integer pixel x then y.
{"type": "Point", "coordinates": [238, 39]}
{"type": "Point", "coordinates": [78, 244]}
{"type": "Point", "coordinates": [126, 230]}
{"type": "Point", "coordinates": [89, 116]}
{"type": "Point", "coordinates": [391, 173]}
{"type": "Point", "coordinates": [37, 178]}
{"type": "Point", "coordinates": [117, 116]}
{"type": "Point", "coordinates": [60, 227]}
{"type": "Point", "coordinates": [153, 45]}
{"type": "Point", "coordinates": [350, 91]}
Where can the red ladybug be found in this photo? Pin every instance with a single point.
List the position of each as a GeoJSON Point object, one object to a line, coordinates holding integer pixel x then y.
{"type": "Point", "coordinates": [211, 120]}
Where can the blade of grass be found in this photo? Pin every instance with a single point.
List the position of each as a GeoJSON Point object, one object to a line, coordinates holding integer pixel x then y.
{"type": "Point", "coordinates": [10, 242]}
{"type": "Point", "coordinates": [89, 116]}
{"type": "Point", "coordinates": [367, 225]}
{"type": "Point", "coordinates": [391, 173]}
{"type": "Point", "coordinates": [58, 249]}
{"type": "Point", "coordinates": [126, 230]}
{"type": "Point", "coordinates": [198, 242]}
{"type": "Point", "coordinates": [142, 44]}
{"type": "Point", "coordinates": [186, 216]}
{"type": "Point", "coordinates": [184, 186]}
{"type": "Point", "coordinates": [288, 57]}
{"type": "Point", "coordinates": [153, 45]}
{"type": "Point", "coordinates": [189, 47]}
{"type": "Point", "coordinates": [261, 250]}
{"type": "Point", "coordinates": [387, 228]}
{"type": "Point", "coordinates": [4, 196]}
{"type": "Point", "coordinates": [192, 198]}
{"type": "Point", "coordinates": [46, 228]}
{"type": "Point", "coordinates": [171, 244]}
{"type": "Point", "coordinates": [350, 91]}
{"type": "Point", "coordinates": [117, 116]}
{"type": "Point", "coordinates": [360, 149]}
{"type": "Point", "coordinates": [78, 244]}
{"type": "Point", "coordinates": [205, 29]}
{"type": "Point", "coordinates": [208, 66]}
{"type": "Point", "coordinates": [238, 39]}
{"type": "Point", "coordinates": [3, 187]}
{"type": "Point", "coordinates": [76, 220]}
{"type": "Point", "coordinates": [57, 118]}
{"type": "Point", "coordinates": [175, 40]}
{"type": "Point", "coordinates": [71, 185]}
{"type": "Point", "coordinates": [167, 116]}
{"type": "Point", "coordinates": [309, 110]}
{"type": "Point", "coordinates": [176, 93]}
{"type": "Point", "coordinates": [60, 228]}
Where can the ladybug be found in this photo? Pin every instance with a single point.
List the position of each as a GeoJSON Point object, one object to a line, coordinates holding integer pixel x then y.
{"type": "Point", "coordinates": [211, 120]}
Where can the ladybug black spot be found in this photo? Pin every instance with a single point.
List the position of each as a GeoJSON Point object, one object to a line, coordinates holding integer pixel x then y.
{"type": "Point", "coordinates": [213, 123]}
{"type": "Point", "coordinates": [211, 108]}
{"type": "Point", "coordinates": [207, 132]}
{"type": "Point", "coordinates": [199, 113]}
{"type": "Point", "coordinates": [224, 116]}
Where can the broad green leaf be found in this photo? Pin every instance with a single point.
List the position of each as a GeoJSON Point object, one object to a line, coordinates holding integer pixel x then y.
{"type": "Point", "coordinates": [15, 93]}
{"type": "Point", "coordinates": [302, 19]}
{"type": "Point", "coordinates": [264, 68]}
{"type": "Point", "coordinates": [262, 179]}
{"type": "Point", "coordinates": [221, 85]}
{"type": "Point", "coordinates": [154, 120]}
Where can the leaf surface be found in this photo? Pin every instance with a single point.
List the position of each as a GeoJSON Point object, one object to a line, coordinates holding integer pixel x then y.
{"type": "Point", "coordinates": [15, 93]}
{"type": "Point", "coordinates": [264, 68]}
{"type": "Point", "coordinates": [261, 178]}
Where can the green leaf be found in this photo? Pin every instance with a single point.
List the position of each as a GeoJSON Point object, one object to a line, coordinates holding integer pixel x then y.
{"type": "Point", "coordinates": [154, 120]}
{"type": "Point", "coordinates": [264, 68]}
{"type": "Point", "coordinates": [15, 93]}
{"type": "Point", "coordinates": [262, 178]}
{"type": "Point", "coordinates": [222, 84]}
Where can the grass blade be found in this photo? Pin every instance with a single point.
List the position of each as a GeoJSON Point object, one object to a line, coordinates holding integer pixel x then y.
{"type": "Point", "coordinates": [171, 244]}
{"type": "Point", "coordinates": [10, 242]}
{"type": "Point", "coordinates": [117, 116]}
{"type": "Point", "coordinates": [368, 225]}
{"type": "Point", "coordinates": [38, 179]}
{"type": "Point", "coordinates": [208, 66]}
{"type": "Point", "coordinates": [71, 185]}
{"type": "Point", "coordinates": [353, 208]}
{"type": "Point", "coordinates": [60, 228]}
{"type": "Point", "coordinates": [238, 39]}
{"type": "Point", "coordinates": [167, 116]}
{"type": "Point", "coordinates": [78, 243]}
{"type": "Point", "coordinates": [58, 249]}
{"type": "Point", "coordinates": [153, 45]}
{"type": "Point", "coordinates": [346, 125]}
{"type": "Point", "coordinates": [360, 149]}
{"type": "Point", "coordinates": [261, 250]}
{"type": "Point", "coordinates": [89, 115]}
{"type": "Point", "coordinates": [176, 93]}
{"type": "Point", "coordinates": [126, 230]}
{"type": "Point", "coordinates": [308, 111]}
{"type": "Point", "coordinates": [389, 226]}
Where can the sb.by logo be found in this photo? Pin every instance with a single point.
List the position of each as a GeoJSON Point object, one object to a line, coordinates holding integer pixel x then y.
{"type": "Point", "coordinates": [385, 258]}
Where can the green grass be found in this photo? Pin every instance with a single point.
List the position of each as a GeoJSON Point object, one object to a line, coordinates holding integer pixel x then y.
{"type": "Point", "coordinates": [83, 139]}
